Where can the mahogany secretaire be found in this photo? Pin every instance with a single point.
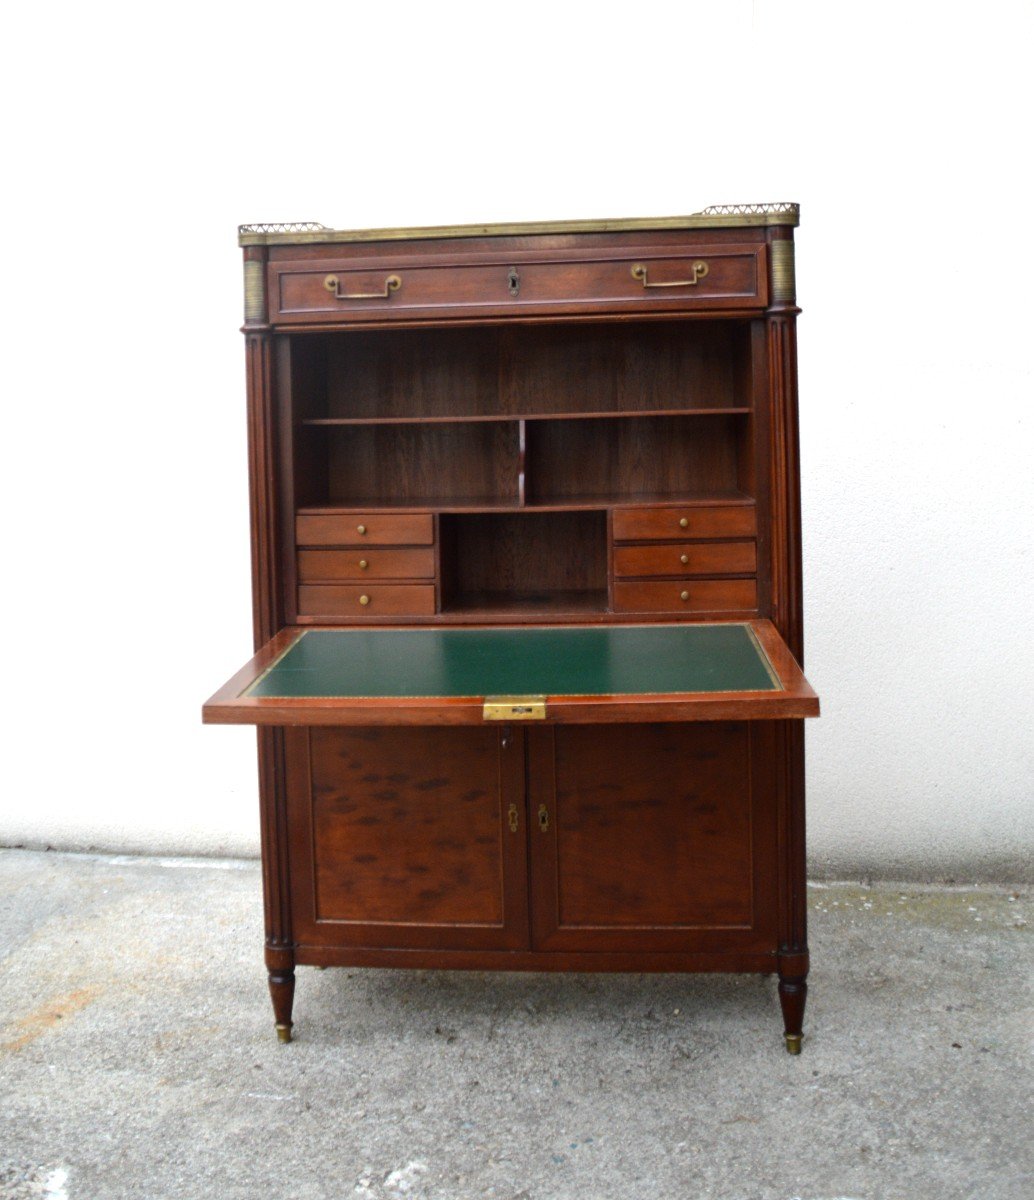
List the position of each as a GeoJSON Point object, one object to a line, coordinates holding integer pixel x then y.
{"type": "Point", "coordinates": [527, 597]}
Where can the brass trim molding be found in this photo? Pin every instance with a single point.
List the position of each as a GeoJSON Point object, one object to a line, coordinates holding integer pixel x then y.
{"type": "Point", "coordinates": [784, 279]}
{"type": "Point", "coordinates": [721, 216]}
{"type": "Point", "coordinates": [283, 227]}
{"type": "Point", "coordinates": [254, 293]}
{"type": "Point", "coordinates": [783, 208]}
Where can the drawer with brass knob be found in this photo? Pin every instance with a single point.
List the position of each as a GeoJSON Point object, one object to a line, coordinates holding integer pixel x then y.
{"type": "Point", "coordinates": [383, 600]}
{"type": "Point", "coordinates": [685, 558]}
{"type": "Point", "coordinates": [329, 566]}
{"type": "Point", "coordinates": [703, 521]}
{"type": "Point", "coordinates": [704, 595]}
{"type": "Point", "coordinates": [361, 529]}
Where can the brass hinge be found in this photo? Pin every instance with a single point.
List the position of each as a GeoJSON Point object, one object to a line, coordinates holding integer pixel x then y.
{"type": "Point", "coordinates": [515, 708]}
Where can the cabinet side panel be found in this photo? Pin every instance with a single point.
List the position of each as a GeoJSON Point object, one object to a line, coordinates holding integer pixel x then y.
{"type": "Point", "coordinates": [276, 870]}
{"type": "Point", "coordinates": [761, 399]}
{"type": "Point", "coordinates": [262, 472]}
{"type": "Point", "coordinates": [786, 484]}
{"type": "Point", "coordinates": [787, 615]}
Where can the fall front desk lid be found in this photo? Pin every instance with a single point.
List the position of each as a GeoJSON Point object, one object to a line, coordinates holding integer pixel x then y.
{"type": "Point", "coordinates": [427, 675]}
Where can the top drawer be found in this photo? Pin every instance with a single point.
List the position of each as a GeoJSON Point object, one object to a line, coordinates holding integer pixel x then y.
{"type": "Point", "coordinates": [663, 279]}
{"type": "Point", "coordinates": [704, 521]}
{"type": "Point", "coordinates": [364, 529]}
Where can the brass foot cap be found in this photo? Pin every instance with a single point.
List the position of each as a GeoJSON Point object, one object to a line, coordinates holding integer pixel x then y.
{"type": "Point", "coordinates": [793, 1043]}
{"type": "Point", "coordinates": [283, 1033]}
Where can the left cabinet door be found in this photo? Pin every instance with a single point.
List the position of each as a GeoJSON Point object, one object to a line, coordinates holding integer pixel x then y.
{"type": "Point", "coordinates": [408, 837]}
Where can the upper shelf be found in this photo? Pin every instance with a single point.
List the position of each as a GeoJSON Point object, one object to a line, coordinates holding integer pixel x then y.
{"type": "Point", "coordinates": [529, 416]}
{"type": "Point", "coordinates": [500, 504]}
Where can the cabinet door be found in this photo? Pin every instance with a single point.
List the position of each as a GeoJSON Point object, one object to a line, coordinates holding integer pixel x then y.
{"type": "Point", "coordinates": [408, 837]}
{"type": "Point", "coordinates": [652, 837]}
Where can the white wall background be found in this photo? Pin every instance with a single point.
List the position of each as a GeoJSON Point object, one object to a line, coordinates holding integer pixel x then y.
{"type": "Point", "coordinates": [140, 136]}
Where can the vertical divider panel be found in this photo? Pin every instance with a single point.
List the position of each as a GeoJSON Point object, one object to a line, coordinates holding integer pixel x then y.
{"type": "Point", "coordinates": [437, 519]}
{"type": "Point", "coordinates": [513, 793]}
{"type": "Point", "coordinates": [610, 560]}
{"type": "Point", "coordinates": [285, 403]}
{"type": "Point", "coordinates": [542, 845]}
{"type": "Point", "coordinates": [761, 427]}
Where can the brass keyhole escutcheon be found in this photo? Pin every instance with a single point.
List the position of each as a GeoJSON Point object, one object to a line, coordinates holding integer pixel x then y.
{"type": "Point", "coordinates": [513, 282]}
{"type": "Point", "coordinates": [361, 530]}
{"type": "Point", "coordinates": [363, 564]}
{"type": "Point", "coordinates": [543, 818]}
{"type": "Point", "coordinates": [514, 818]}
{"type": "Point", "coordinates": [364, 600]}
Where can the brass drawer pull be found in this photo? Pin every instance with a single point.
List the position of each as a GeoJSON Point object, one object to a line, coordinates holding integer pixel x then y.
{"type": "Point", "coordinates": [699, 270]}
{"type": "Point", "coordinates": [364, 600]}
{"type": "Point", "coordinates": [363, 564]}
{"type": "Point", "coordinates": [391, 284]}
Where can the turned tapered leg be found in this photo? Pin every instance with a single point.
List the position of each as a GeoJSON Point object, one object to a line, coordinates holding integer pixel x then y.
{"type": "Point", "coordinates": [281, 988]}
{"type": "Point", "coordinates": [793, 991]}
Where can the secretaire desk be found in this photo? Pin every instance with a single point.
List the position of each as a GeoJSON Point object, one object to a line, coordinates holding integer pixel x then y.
{"type": "Point", "coordinates": [526, 547]}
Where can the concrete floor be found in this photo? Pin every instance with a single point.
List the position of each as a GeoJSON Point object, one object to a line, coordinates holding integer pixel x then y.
{"type": "Point", "coordinates": [138, 1060]}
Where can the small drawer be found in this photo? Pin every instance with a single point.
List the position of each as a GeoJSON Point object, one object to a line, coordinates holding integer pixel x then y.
{"type": "Point", "coordinates": [640, 277]}
{"type": "Point", "coordinates": [328, 566]}
{"type": "Point", "coordinates": [383, 600]}
{"type": "Point", "coordinates": [686, 558]}
{"type": "Point", "coordinates": [365, 529]}
{"type": "Point", "coordinates": [705, 595]}
{"type": "Point", "coordinates": [725, 521]}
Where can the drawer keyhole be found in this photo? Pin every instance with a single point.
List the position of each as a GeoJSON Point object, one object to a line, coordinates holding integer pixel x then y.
{"type": "Point", "coordinates": [513, 281]}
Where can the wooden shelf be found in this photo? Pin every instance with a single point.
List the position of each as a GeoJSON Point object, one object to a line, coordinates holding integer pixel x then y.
{"type": "Point", "coordinates": [495, 504]}
{"type": "Point", "coordinates": [516, 604]}
{"type": "Point", "coordinates": [638, 499]}
{"type": "Point", "coordinates": [530, 416]}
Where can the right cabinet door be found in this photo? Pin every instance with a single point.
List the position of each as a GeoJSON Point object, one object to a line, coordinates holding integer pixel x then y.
{"type": "Point", "coordinates": [653, 837]}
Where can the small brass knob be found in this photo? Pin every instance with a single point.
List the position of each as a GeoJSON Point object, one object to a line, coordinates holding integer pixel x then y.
{"type": "Point", "coordinates": [683, 558]}
{"type": "Point", "coordinates": [363, 564]}
{"type": "Point", "coordinates": [684, 522]}
{"type": "Point", "coordinates": [364, 600]}
{"type": "Point", "coordinates": [360, 529]}
{"type": "Point", "coordinates": [684, 596]}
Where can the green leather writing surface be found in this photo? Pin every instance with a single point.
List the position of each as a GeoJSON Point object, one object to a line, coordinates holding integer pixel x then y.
{"type": "Point", "coordinates": [612, 660]}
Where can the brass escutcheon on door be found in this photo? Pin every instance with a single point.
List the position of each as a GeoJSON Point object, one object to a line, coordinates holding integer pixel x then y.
{"type": "Point", "coordinates": [543, 818]}
{"type": "Point", "coordinates": [514, 818]}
